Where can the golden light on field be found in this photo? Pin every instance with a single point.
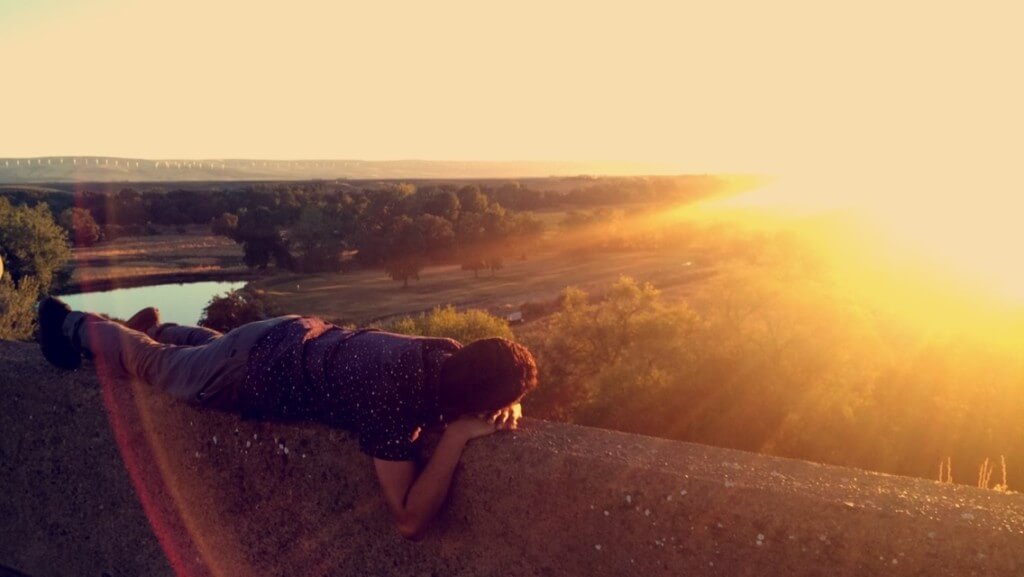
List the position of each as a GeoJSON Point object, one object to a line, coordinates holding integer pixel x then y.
{"type": "Point", "coordinates": [970, 232]}
{"type": "Point", "coordinates": [944, 252]}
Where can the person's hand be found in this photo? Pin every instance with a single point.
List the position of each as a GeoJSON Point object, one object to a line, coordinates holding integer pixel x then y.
{"type": "Point", "coordinates": [473, 426]}
{"type": "Point", "coordinates": [507, 419]}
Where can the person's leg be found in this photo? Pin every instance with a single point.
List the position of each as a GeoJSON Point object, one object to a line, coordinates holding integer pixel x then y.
{"type": "Point", "coordinates": [205, 374]}
{"type": "Point", "coordinates": [175, 334]}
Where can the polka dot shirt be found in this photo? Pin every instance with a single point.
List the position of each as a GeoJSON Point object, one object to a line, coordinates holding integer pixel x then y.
{"type": "Point", "coordinates": [381, 385]}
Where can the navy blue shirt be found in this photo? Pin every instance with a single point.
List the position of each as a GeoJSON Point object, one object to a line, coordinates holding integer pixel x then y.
{"type": "Point", "coordinates": [381, 385]}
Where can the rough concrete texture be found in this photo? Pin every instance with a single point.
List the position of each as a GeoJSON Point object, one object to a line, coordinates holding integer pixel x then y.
{"type": "Point", "coordinates": [113, 479]}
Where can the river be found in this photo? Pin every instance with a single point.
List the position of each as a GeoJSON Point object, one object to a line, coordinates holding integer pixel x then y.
{"type": "Point", "coordinates": [178, 303]}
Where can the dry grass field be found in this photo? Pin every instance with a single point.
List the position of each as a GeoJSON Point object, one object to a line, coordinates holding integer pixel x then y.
{"type": "Point", "coordinates": [364, 296]}
{"type": "Point", "coordinates": [194, 255]}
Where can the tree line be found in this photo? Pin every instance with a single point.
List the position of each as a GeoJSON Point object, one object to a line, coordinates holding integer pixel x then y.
{"type": "Point", "coordinates": [130, 210]}
{"type": "Point", "coordinates": [396, 226]}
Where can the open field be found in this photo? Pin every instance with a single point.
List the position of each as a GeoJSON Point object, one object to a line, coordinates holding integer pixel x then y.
{"type": "Point", "coordinates": [365, 296]}
{"type": "Point", "coordinates": [137, 261]}
{"type": "Point", "coordinates": [369, 295]}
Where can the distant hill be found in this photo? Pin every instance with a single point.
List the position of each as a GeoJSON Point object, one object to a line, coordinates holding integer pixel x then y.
{"type": "Point", "coordinates": [113, 169]}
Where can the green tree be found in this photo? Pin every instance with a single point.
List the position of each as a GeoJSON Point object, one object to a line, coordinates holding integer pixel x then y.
{"type": "Point", "coordinates": [236, 308]}
{"type": "Point", "coordinates": [470, 234]}
{"type": "Point", "coordinates": [483, 238]}
{"type": "Point", "coordinates": [32, 250]}
{"type": "Point", "coordinates": [261, 239]}
{"type": "Point", "coordinates": [497, 230]}
{"type": "Point", "coordinates": [80, 226]}
{"type": "Point", "coordinates": [444, 204]}
{"type": "Point", "coordinates": [471, 199]}
{"type": "Point", "coordinates": [225, 225]}
{"type": "Point", "coordinates": [405, 256]}
{"type": "Point", "coordinates": [376, 223]}
{"type": "Point", "coordinates": [606, 363]}
{"type": "Point", "coordinates": [17, 307]}
{"type": "Point", "coordinates": [438, 235]}
{"type": "Point", "coordinates": [127, 208]}
{"type": "Point", "coordinates": [447, 322]}
{"type": "Point", "coordinates": [317, 240]}
{"type": "Point", "coordinates": [32, 245]}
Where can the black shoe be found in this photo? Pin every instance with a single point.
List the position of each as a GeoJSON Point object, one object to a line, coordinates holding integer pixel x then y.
{"type": "Point", "coordinates": [56, 347]}
{"type": "Point", "coordinates": [143, 320]}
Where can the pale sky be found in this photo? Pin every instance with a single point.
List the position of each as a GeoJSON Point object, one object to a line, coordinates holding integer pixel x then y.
{"type": "Point", "coordinates": [755, 86]}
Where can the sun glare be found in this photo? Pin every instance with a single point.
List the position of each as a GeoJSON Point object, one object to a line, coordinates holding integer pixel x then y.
{"type": "Point", "coordinates": [967, 234]}
{"type": "Point", "coordinates": [942, 255]}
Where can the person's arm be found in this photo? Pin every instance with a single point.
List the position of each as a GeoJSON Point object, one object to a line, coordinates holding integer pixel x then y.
{"type": "Point", "coordinates": [414, 498]}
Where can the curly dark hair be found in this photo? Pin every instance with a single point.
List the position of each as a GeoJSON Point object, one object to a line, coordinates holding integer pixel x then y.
{"type": "Point", "coordinates": [486, 375]}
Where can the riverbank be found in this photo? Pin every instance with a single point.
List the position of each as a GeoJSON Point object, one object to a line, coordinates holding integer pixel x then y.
{"type": "Point", "coordinates": [113, 283]}
{"type": "Point", "coordinates": [365, 296]}
{"type": "Point", "coordinates": [192, 255]}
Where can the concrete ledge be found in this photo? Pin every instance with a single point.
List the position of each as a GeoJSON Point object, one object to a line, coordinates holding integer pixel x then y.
{"type": "Point", "coordinates": [114, 479]}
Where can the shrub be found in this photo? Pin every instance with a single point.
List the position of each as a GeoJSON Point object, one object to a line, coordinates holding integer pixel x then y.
{"type": "Point", "coordinates": [224, 225]}
{"type": "Point", "coordinates": [236, 308]}
{"type": "Point", "coordinates": [17, 308]}
{"type": "Point", "coordinates": [447, 322]}
{"type": "Point", "coordinates": [80, 226]}
{"type": "Point", "coordinates": [32, 245]}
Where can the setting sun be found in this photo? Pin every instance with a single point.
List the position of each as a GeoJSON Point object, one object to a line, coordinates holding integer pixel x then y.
{"type": "Point", "coordinates": [966, 234]}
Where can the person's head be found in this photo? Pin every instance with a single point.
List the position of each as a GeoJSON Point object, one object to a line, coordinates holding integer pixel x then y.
{"type": "Point", "coordinates": [484, 376]}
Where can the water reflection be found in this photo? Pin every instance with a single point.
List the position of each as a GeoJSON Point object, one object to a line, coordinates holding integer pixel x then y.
{"type": "Point", "coordinates": [178, 303]}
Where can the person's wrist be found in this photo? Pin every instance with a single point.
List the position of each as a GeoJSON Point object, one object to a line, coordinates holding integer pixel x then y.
{"type": "Point", "coordinates": [459, 431]}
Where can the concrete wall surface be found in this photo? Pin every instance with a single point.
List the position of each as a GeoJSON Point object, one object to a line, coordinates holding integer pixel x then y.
{"type": "Point", "coordinates": [109, 478]}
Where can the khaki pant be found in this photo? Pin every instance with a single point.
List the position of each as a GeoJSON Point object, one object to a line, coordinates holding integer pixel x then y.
{"type": "Point", "coordinates": [194, 364]}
